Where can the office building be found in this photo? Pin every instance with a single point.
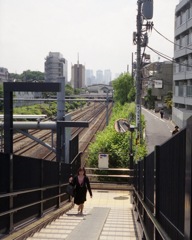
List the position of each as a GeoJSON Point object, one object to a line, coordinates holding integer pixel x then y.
{"type": "Point", "coordinates": [78, 76]}
{"type": "Point", "coordinates": [182, 76]}
{"type": "Point", "coordinates": [55, 66]}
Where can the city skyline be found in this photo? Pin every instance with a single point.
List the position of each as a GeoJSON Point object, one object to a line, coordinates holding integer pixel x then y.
{"type": "Point", "coordinates": [99, 31]}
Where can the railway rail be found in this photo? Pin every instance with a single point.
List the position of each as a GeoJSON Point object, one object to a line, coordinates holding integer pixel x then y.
{"type": "Point", "coordinates": [95, 114]}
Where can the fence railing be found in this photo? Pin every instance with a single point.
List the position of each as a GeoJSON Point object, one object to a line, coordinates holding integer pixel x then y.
{"type": "Point", "coordinates": [107, 178]}
{"type": "Point", "coordinates": [159, 190]}
{"type": "Point", "coordinates": [30, 188]}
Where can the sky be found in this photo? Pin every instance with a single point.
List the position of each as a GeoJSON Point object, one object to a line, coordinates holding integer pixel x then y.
{"type": "Point", "coordinates": [99, 31]}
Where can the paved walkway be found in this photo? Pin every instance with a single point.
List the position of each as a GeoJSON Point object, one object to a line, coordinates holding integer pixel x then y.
{"type": "Point", "coordinates": [107, 216]}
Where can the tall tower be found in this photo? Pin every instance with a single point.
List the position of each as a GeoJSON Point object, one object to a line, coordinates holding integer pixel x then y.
{"type": "Point", "coordinates": [55, 67]}
{"type": "Point", "coordinates": [78, 75]}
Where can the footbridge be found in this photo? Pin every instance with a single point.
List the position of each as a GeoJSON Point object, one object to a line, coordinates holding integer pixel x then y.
{"type": "Point", "coordinates": [150, 201]}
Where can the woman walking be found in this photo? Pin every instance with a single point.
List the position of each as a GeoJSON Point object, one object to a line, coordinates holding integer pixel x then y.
{"type": "Point", "coordinates": [81, 184]}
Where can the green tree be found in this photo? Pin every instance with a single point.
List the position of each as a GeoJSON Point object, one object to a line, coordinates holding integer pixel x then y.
{"type": "Point", "coordinates": [68, 90]}
{"type": "Point", "coordinates": [124, 90]}
{"type": "Point", "coordinates": [150, 99]}
{"type": "Point", "coordinates": [168, 100]}
{"type": "Point", "coordinates": [77, 91]}
{"type": "Point", "coordinates": [14, 76]}
{"type": "Point", "coordinates": [32, 76]}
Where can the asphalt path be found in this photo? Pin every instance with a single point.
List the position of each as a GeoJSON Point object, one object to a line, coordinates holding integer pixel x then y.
{"type": "Point", "coordinates": [157, 130]}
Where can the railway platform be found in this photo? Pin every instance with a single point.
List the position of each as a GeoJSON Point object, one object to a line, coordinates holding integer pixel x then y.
{"type": "Point", "coordinates": [108, 215]}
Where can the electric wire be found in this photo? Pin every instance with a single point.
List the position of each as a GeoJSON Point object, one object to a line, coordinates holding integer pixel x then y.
{"type": "Point", "coordinates": [170, 40]}
{"type": "Point", "coordinates": [169, 58]}
{"type": "Point", "coordinates": [162, 54]}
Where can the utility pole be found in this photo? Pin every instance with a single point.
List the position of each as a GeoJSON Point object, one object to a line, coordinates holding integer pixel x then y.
{"type": "Point", "coordinates": [138, 71]}
{"type": "Point", "coordinates": [140, 38]}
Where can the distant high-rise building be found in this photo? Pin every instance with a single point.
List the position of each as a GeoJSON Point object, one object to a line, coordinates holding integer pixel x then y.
{"type": "Point", "coordinates": [78, 76]}
{"type": "Point", "coordinates": [107, 76]}
{"type": "Point", "coordinates": [89, 77]}
{"type": "Point", "coordinates": [99, 76]}
{"type": "Point", "coordinates": [55, 66]}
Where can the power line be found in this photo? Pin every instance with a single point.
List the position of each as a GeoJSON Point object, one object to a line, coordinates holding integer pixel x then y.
{"type": "Point", "coordinates": [168, 58]}
{"type": "Point", "coordinates": [161, 54]}
{"type": "Point", "coordinates": [170, 40]}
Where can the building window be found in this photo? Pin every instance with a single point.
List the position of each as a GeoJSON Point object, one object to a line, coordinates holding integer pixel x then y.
{"type": "Point", "coordinates": [176, 67]}
{"type": "Point", "coordinates": [190, 36]}
{"type": "Point", "coordinates": [181, 91]}
{"type": "Point", "coordinates": [189, 91]}
{"type": "Point", "coordinates": [177, 23]}
{"type": "Point", "coordinates": [183, 41]}
{"type": "Point", "coordinates": [183, 17]}
{"type": "Point", "coordinates": [189, 63]}
{"type": "Point", "coordinates": [190, 10]}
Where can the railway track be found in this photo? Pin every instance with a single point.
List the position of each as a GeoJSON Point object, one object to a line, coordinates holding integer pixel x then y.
{"type": "Point", "coordinates": [95, 114]}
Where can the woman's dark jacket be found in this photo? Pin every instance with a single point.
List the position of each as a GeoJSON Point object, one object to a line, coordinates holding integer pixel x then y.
{"type": "Point", "coordinates": [81, 190]}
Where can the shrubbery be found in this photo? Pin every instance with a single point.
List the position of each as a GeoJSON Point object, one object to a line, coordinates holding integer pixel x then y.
{"type": "Point", "coordinates": [117, 145]}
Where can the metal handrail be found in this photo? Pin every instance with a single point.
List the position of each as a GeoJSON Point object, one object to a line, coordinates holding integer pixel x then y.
{"type": "Point", "coordinates": [156, 224]}
{"type": "Point", "coordinates": [13, 194]}
{"type": "Point", "coordinates": [31, 204]}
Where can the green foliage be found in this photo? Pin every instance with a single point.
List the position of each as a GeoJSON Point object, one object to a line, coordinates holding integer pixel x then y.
{"type": "Point", "coordinates": [14, 76]}
{"type": "Point", "coordinates": [32, 76]}
{"type": "Point", "coordinates": [124, 90]}
{"type": "Point", "coordinates": [28, 76]}
{"type": "Point", "coordinates": [68, 90]}
{"type": "Point", "coordinates": [77, 91]}
{"type": "Point", "coordinates": [49, 109]}
{"type": "Point", "coordinates": [117, 145]}
{"type": "Point", "coordinates": [150, 99]}
{"type": "Point", "coordinates": [168, 100]}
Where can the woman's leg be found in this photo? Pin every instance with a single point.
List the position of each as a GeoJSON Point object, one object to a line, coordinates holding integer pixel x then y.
{"type": "Point", "coordinates": [81, 208]}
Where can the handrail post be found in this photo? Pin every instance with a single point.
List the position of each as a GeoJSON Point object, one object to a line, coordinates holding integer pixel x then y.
{"type": "Point", "coordinates": [156, 185]}
{"type": "Point", "coordinates": [11, 223]}
{"type": "Point", "coordinates": [41, 191]}
{"type": "Point", "coordinates": [188, 166]}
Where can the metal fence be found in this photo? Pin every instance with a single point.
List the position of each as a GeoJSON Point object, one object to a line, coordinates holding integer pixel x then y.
{"type": "Point", "coordinates": [159, 190]}
{"type": "Point", "coordinates": [29, 188]}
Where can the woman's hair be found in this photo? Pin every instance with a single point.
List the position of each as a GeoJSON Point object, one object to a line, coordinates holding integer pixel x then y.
{"type": "Point", "coordinates": [81, 169]}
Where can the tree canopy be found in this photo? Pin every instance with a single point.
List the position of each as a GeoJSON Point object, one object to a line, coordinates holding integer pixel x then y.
{"type": "Point", "coordinates": [124, 90]}
{"type": "Point", "coordinates": [28, 76]}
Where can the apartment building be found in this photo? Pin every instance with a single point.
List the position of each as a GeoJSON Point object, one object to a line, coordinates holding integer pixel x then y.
{"type": "Point", "coordinates": [182, 75]}
{"type": "Point", "coordinates": [55, 66]}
